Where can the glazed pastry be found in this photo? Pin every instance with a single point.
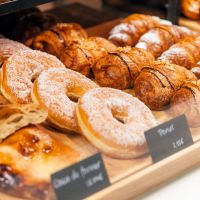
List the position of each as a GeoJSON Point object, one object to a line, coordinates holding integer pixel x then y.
{"type": "Point", "coordinates": [120, 68]}
{"type": "Point", "coordinates": [114, 122]}
{"type": "Point", "coordinates": [185, 53]}
{"type": "Point", "coordinates": [17, 82]}
{"type": "Point", "coordinates": [13, 117]}
{"type": "Point", "coordinates": [132, 28]}
{"type": "Point", "coordinates": [31, 24]}
{"type": "Point", "coordinates": [156, 84]}
{"type": "Point", "coordinates": [191, 8]}
{"type": "Point", "coordinates": [82, 55]}
{"type": "Point", "coordinates": [29, 157]}
{"type": "Point", "coordinates": [160, 38]}
{"type": "Point", "coordinates": [57, 91]}
{"type": "Point", "coordinates": [187, 101]}
{"type": "Point", "coordinates": [56, 39]}
{"type": "Point", "coordinates": [196, 70]}
{"type": "Point", "coordinates": [8, 48]}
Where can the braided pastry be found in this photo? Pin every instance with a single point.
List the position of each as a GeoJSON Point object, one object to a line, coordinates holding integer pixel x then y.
{"type": "Point", "coordinates": [157, 83]}
{"type": "Point", "coordinates": [120, 68]}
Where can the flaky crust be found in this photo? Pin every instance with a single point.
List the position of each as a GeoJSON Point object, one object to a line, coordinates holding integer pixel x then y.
{"type": "Point", "coordinates": [191, 8]}
{"type": "Point", "coordinates": [187, 101]}
{"type": "Point", "coordinates": [160, 38]}
{"type": "Point", "coordinates": [82, 55]}
{"type": "Point", "coordinates": [29, 157]}
{"type": "Point", "coordinates": [156, 84]}
{"type": "Point", "coordinates": [131, 28]}
{"type": "Point", "coordinates": [56, 39]}
{"type": "Point", "coordinates": [185, 53]}
{"type": "Point", "coordinates": [120, 68]}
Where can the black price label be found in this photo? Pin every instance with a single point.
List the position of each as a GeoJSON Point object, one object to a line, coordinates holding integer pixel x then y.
{"type": "Point", "coordinates": [80, 180]}
{"type": "Point", "coordinates": [168, 138]}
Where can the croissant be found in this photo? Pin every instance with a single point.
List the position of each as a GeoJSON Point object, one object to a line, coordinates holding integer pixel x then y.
{"type": "Point", "coordinates": [132, 28]}
{"type": "Point", "coordinates": [187, 101]}
{"type": "Point", "coordinates": [191, 8]}
{"type": "Point", "coordinates": [55, 40]}
{"type": "Point", "coordinates": [82, 55]}
{"type": "Point", "coordinates": [160, 38]}
{"type": "Point", "coordinates": [120, 68]}
{"type": "Point", "coordinates": [185, 53]}
{"type": "Point", "coordinates": [157, 83]}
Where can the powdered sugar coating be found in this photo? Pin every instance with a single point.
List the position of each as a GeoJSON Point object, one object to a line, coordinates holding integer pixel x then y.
{"type": "Point", "coordinates": [9, 47]}
{"type": "Point", "coordinates": [99, 105]}
{"type": "Point", "coordinates": [53, 87]}
{"type": "Point", "coordinates": [21, 69]}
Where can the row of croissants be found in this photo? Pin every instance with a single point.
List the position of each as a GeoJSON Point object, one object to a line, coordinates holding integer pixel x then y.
{"type": "Point", "coordinates": [146, 55]}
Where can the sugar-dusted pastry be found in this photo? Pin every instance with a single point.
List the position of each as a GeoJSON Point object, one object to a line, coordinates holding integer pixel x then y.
{"type": "Point", "coordinates": [187, 101]}
{"type": "Point", "coordinates": [160, 38]}
{"type": "Point", "coordinates": [29, 157]}
{"type": "Point", "coordinates": [157, 83]}
{"type": "Point", "coordinates": [120, 68]}
{"type": "Point", "coordinates": [57, 91]}
{"type": "Point", "coordinates": [114, 122]}
{"type": "Point", "coordinates": [132, 28]}
{"type": "Point", "coordinates": [16, 116]}
{"type": "Point", "coordinates": [82, 55]}
{"type": "Point", "coordinates": [56, 39]}
{"type": "Point", "coordinates": [19, 72]}
{"type": "Point", "coordinates": [8, 48]}
{"type": "Point", "coordinates": [185, 53]}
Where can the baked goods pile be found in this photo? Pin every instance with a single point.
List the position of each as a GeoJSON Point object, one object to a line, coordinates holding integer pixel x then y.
{"type": "Point", "coordinates": [37, 88]}
{"type": "Point", "coordinates": [51, 86]}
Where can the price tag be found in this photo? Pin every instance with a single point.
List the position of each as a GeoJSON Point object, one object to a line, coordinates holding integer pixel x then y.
{"type": "Point", "coordinates": [173, 10]}
{"type": "Point", "coordinates": [168, 138]}
{"type": "Point", "coordinates": [80, 180]}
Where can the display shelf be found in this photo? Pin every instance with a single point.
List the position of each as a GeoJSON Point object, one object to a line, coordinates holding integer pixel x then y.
{"type": "Point", "coordinates": [10, 6]}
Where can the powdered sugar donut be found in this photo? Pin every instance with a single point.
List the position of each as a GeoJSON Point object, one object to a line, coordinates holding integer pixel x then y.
{"type": "Point", "coordinates": [9, 47]}
{"type": "Point", "coordinates": [19, 72]}
{"type": "Point", "coordinates": [57, 91]}
{"type": "Point", "coordinates": [114, 122]}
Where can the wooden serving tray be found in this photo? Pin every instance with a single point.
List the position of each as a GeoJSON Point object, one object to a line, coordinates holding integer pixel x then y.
{"type": "Point", "coordinates": [130, 178]}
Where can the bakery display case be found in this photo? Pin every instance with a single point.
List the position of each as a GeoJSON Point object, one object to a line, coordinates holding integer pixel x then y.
{"type": "Point", "coordinates": [106, 108]}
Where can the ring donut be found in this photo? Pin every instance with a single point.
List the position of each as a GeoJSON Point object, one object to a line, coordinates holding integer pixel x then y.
{"type": "Point", "coordinates": [19, 72]}
{"type": "Point", "coordinates": [114, 122]}
{"type": "Point", "coordinates": [9, 47]}
{"type": "Point", "coordinates": [56, 91]}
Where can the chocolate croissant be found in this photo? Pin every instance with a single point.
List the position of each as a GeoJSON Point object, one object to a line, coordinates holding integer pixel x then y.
{"type": "Point", "coordinates": [120, 68]}
{"type": "Point", "coordinates": [185, 53]}
{"type": "Point", "coordinates": [160, 38]}
{"type": "Point", "coordinates": [157, 83]}
{"type": "Point", "coordinates": [187, 101]}
{"type": "Point", "coordinates": [191, 8]}
{"type": "Point", "coordinates": [82, 55]}
{"type": "Point", "coordinates": [132, 28]}
{"type": "Point", "coordinates": [56, 39]}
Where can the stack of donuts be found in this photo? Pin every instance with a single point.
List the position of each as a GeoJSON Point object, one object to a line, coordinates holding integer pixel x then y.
{"type": "Point", "coordinates": [112, 120]}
